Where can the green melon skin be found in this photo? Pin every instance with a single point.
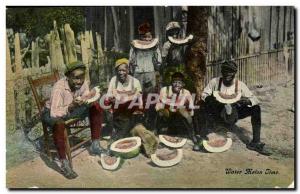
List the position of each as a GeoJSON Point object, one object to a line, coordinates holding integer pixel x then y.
{"type": "Point", "coordinates": [128, 155]}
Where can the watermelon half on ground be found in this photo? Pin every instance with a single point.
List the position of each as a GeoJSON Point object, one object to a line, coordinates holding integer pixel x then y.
{"type": "Point", "coordinates": [172, 142]}
{"type": "Point", "coordinates": [127, 147]}
{"type": "Point", "coordinates": [111, 163]}
{"type": "Point", "coordinates": [217, 143]}
{"type": "Point", "coordinates": [166, 157]}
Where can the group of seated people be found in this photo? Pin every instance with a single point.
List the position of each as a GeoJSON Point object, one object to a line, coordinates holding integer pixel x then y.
{"type": "Point", "coordinates": [126, 106]}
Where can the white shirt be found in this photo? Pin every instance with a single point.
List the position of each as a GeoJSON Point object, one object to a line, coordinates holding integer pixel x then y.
{"type": "Point", "coordinates": [132, 87]}
{"type": "Point", "coordinates": [242, 88]}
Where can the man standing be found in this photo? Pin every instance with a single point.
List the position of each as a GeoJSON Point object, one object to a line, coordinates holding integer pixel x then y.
{"type": "Point", "coordinates": [228, 99]}
{"type": "Point", "coordinates": [175, 108]}
{"type": "Point", "coordinates": [124, 95]}
{"type": "Point", "coordinates": [65, 103]}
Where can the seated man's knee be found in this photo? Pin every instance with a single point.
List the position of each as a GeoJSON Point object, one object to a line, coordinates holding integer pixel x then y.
{"type": "Point", "coordinates": [59, 124]}
{"type": "Point", "coordinates": [186, 115]}
{"type": "Point", "coordinates": [96, 106]}
{"type": "Point", "coordinates": [256, 109]}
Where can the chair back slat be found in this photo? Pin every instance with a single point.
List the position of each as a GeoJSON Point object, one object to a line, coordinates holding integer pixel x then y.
{"type": "Point", "coordinates": [49, 79]}
{"type": "Point", "coordinates": [38, 82]}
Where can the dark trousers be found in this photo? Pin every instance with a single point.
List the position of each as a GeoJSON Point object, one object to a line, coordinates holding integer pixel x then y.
{"type": "Point", "coordinates": [177, 123]}
{"type": "Point", "coordinates": [210, 113]}
{"type": "Point", "coordinates": [95, 114]}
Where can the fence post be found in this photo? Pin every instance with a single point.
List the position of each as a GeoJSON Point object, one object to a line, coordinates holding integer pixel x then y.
{"type": "Point", "coordinates": [35, 54]}
{"type": "Point", "coordinates": [84, 53]}
{"type": "Point", "coordinates": [10, 96]}
{"type": "Point", "coordinates": [56, 56]}
{"type": "Point", "coordinates": [286, 55]}
{"type": "Point", "coordinates": [70, 43]}
{"type": "Point", "coordinates": [19, 83]}
{"type": "Point", "coordinates": [100, 59]}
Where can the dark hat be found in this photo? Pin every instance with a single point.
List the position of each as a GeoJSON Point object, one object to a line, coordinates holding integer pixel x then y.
{"type": "Point", "coordinates": [74, 65]}
{"type": "Point", "coordinates": [144, 28]}
{"type": "Point", "coordinates": [229, 66]}
{"type": "Point", "coordinates": [177, 76]}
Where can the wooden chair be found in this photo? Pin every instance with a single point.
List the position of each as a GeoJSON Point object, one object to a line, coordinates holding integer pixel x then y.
{"type": "Point", "coordinates": [70, 124]}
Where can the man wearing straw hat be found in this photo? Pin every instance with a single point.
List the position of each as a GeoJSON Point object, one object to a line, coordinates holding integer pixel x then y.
{"type": "Point", "coordinates": [228, 99]}
{"type": "Point", "coordinates": [124, 96]}
{"type": "Point", "coordinates": [66, 103]}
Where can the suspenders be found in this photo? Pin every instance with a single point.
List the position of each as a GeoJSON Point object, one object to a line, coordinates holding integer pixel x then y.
{"type": "Point", "coordinates": [132, 84]}
{"type": "Point", "coordinates": [220, 84]}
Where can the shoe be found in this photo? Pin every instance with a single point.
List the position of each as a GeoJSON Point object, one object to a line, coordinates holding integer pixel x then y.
{"type": "Point", "coordinates": [196, 148]}
{"type": "Point", "coordinates": [67, 170]}
{"type": "Point", "coordinates": [95, 148]}
{"type": "Point", "coordinates": [197, 143]}
{"type": "Point", "coordinates": [259, 147]}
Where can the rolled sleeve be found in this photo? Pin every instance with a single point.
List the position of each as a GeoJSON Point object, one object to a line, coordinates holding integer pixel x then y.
{"type": "Point", "coordinates": [248, 94]}
{"type": "Point", "coordinates": [57, 108]}
{"type": "Point", "coordinates": [208, 90]}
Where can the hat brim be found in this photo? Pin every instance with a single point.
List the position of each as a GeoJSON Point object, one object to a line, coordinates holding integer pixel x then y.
{"type": "Point", "coordinates": [67, 71]}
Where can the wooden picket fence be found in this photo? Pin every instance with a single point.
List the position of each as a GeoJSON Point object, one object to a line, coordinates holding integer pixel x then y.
{"type": "Point", "coordinates": [62, 49]}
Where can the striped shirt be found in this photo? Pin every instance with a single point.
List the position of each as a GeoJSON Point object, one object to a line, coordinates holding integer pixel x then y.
{"type": "Point", "coordinates": [62, 97]}
{"type": "Point", "coordinates": [173, 101]}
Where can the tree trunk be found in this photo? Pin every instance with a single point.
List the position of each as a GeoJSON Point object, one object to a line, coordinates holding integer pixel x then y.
{"type": "Point", "coordinates": [117, 29]}
{"type": "Point", "coordinates": [196, 56]}
{"type": "Point", "coordinates": [131, 23]}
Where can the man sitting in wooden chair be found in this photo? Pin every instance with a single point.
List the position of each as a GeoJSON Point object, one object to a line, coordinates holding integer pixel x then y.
{"type": "Point", "coordinates": [66, 103]}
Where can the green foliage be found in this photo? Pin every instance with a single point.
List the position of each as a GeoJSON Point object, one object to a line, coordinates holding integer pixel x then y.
{"type": "Point", "coordinates": [38, 21]}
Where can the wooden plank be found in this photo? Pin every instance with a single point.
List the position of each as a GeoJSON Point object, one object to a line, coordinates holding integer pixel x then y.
{"type": "Point", "coordinates": [65, 52]}
{"type": "Point", "coordinates": [70, 43]}
{"type": "Point", "coordinates": [57, 61]}
{"type": "Point", "coordinates": [10, 98]}
{"type": "Point", "coordinates": [18, 58]}
{"type": "Point", "coordinates": [85, 56]}
{"type": "Point", "coordinates": [91, 40]}
{"type": "Point", "coordinates": [35, 52]}
{"type": "Point", "coordinates": [44, 80]}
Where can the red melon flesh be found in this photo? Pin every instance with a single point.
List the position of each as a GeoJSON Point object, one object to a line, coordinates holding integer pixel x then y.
{"type": "Point", "coordinates": [89, 96]}
{"type": "Point", "coordinates": [225, 96]}
{"type": "Point", "coordinates": [144, 42]}
{"type": "Point", "coordinates": [217, 142]}
{"type": "Point", "coordinates": [166, 154]}
{"type": "Point", "coordinates": [110, 160]}
{"type": "Point", "coordinates": [172, 139]}
{"type": "Point", "coordinates": [126, 144]}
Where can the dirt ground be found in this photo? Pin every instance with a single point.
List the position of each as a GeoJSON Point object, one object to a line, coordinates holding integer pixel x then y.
{"type": "Point", "coordinates": [196, 170]}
